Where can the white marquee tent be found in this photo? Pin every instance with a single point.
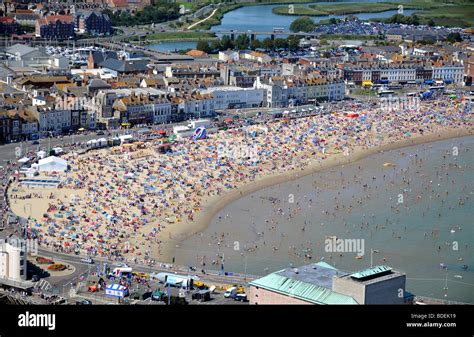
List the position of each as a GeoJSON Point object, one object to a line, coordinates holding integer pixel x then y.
{"type": "Point", "coordinates": [51, 164]}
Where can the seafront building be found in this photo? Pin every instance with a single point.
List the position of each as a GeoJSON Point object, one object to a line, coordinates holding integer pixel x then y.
{"type": "Point", "coordinates": [321, 283]}
{"type": "Point", "coordinates": [13, 254]}
{"type": "Point", "coordinates": [109, 89]}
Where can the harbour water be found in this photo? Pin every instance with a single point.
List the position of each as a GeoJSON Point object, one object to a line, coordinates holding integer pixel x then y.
{"type": "Point", "coordinates": [171, 46]}
{"type": "Point", "coordinates": [415, 215]}
{"type": "Point", "coordinates": [261, 18]}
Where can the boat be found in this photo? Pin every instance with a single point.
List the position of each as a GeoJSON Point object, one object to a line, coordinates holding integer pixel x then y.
{"type": "Point", "coordinates": [453, 231]}
{"type": "Point", "coordinates": [457, 276]}
{"type": "Point", "coordinates": [359, 257]}
{"type": "Point", "coordinates": [389, 165]}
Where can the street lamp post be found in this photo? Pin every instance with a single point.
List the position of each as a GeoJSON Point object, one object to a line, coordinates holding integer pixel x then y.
{"type": "Point", "coordinates": [245, 269]}
{"type": "Point", "coordinates": [372, 251]}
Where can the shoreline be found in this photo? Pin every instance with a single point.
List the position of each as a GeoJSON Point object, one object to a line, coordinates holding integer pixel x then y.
{"type": "Point", "coordinates": [174, 235]}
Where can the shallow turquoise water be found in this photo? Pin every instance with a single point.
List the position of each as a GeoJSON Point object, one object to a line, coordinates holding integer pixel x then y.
{"type": "Point", "coordinates": [413, 236]}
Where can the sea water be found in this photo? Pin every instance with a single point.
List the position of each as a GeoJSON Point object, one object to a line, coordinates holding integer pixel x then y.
{"type": "Point", "coordinates": [416, 219]}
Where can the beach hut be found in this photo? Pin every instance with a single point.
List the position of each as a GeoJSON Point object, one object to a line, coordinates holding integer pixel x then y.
{"type": "Point", "coordinates": [102, 142]}
{"type": "Point", "coordinates": [92, 144]}
{"type": "Point", "coordinates": [126, 139]}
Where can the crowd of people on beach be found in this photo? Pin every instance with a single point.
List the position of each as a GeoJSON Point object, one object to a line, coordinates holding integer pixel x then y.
{"type": "Point", "coordinates": [112, 205]}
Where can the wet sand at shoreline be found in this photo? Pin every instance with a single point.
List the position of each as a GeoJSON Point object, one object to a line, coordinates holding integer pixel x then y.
{"type": "Point", "coordinates": [213, 206]}
{"type": "Point", "coordinates": [358, 201]}
{"type": "Point", "coordinates": [139, 204]}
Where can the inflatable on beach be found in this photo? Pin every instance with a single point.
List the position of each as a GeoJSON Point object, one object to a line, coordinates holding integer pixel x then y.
{"type": "Point", "coordinates": [352, 115]}
{"type": "Point", "coordinates": [200, 133]}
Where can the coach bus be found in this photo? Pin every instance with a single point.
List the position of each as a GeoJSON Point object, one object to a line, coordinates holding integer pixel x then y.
{"type": "Point", "coordinates": [385, 93]}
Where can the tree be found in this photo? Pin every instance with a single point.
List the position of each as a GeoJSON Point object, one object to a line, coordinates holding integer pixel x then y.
{"type": "Point", "coordinates": [281, 44]}
{"type": "Point", "coordinates": [454, 37]}
{"type": "Point", "coordinates": [268, 44]}
{"type": "Point", "coordinates": [293, 42]}
{"type": "Point", "coordinates": [227, 43]}
{"type": "Point", "coordinates": [242, 41]}
{"type": "Point", "coordinates": [431, 23]}
{"type": "Point", "coordinates": [303, 24]}
{"type": "Point", "coordinates": [160, 11]}
{"type": "Point", "coordinates": [255, 44]}
{"type": "Point", "coordinates": [396, 18]}
{"type": "Point", "coordinates": [216, 45]}
{"type": "Point", "coordinates": [203, 46]}
{"type": "Point", "coordinates": [408, 20]}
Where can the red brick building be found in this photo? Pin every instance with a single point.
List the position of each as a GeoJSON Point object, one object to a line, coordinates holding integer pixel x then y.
{"type": "Point", "coordinates": [8, 26]}
{"type": "Point", "coordinates": [469, 67]}
{"type": "Point", "coordinates": [55, 27]}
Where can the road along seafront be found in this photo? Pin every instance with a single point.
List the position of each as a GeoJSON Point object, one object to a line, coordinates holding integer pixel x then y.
{"type": "Point", "coordinates": [137, 203]}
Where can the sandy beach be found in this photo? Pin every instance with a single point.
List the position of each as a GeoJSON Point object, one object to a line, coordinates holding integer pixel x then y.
{"type": "Point", "coordinates": [133, 202]}
{"type": "Point", "coordinates": [212, 206]}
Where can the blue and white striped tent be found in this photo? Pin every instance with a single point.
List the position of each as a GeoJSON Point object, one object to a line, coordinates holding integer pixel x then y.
{"type": "Point", "coordinates": [116, 290]}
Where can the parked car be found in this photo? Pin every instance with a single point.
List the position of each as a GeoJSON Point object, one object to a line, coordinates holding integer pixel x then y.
{"type": "Point", "coordinates": [202, 296]}
{"type": "Point", "coordinates": [93, 289]}
{"type": "Point", "coordinates": [84, 302]}
{"type": "Point", "coordinates": [35, 278]}
{"type": "Point", "coordinates": [240, 297]}
{"type": "Point", "coordinates": [100, 133]}
{"type": "Point", "coordinates": [231, 292]}
{"type": "Point", "coordinates": [35, 142]}
{"type": "Point", "coordinates": [158, 295]}
{"type": "Point", "coordinates": [87, 260]}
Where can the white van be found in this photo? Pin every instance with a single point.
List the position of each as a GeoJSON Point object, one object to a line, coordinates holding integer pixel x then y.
{"type": "Point", "coordinates": [231, 292]}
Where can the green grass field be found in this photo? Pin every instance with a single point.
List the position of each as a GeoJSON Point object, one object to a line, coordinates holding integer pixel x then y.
{"type": "Point", "coordinates": [443, 13]}
{"type": "Point", "coordinates": [352, 8]}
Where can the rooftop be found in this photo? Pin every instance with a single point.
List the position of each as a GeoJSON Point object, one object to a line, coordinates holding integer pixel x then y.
{"type": "Point", "coordinates": [46, 20]}
{"type": "Point", "coordinates": [369, 272]}
{"type": "Point", "coordinates": [311, 283]}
